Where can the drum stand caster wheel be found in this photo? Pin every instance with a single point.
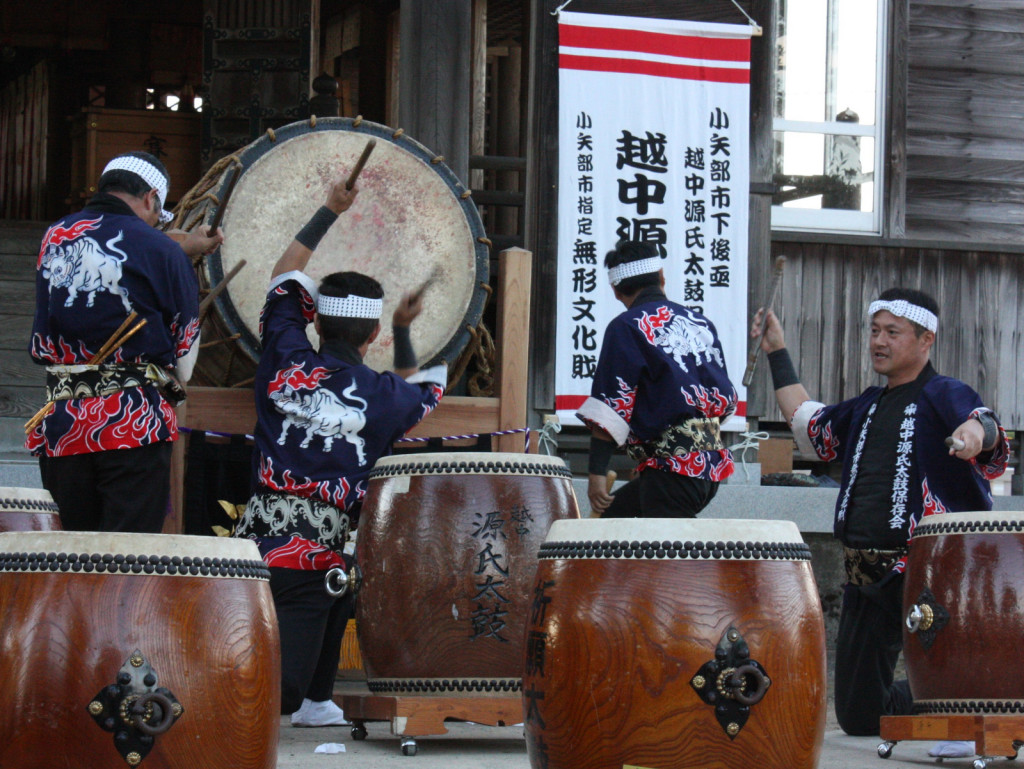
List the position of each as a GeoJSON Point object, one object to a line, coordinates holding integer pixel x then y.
{"type": "Point", "coordinates": [408, 746]}
{"type": "Point", "coordinates": [980, 763]}
{"type": "Point", "coordinates": [885, 749]}
{"type": "Point", "coordinates": [358, 730]}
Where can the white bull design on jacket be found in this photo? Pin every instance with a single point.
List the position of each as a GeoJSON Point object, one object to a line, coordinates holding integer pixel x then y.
{"type": "Point", "coordinates": [83, 266]}
{"type": "Point", "coordinates": [323, 413]}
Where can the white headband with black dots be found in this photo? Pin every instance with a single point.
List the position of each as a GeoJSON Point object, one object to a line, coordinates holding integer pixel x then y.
{"type": "Point", "coordinates": [901, 308]}
{"type": "Point", "coordinates": [149, 173]}
{"type": "Point", "coordinates": [350, 306]}
{"type": "Point", "coordinates": [620, 272]}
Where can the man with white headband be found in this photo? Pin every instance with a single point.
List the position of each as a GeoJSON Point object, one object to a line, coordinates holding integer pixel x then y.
{"type": "Point", "coordinates": [896, 468]}
{"type": "Point", "coordinates": [323, 420]}
{"type": "Point", "coordinates": [105, 448]}
{"type": "Point", "coordinates": [660, 390]}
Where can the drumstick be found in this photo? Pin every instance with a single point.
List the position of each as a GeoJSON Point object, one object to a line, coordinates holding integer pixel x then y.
{"type": "Point", "coordinates": [955, 443]}
{"type": "Point", "coordinates": [208, 299]}
{"type": "Point", "coordinates": [434, 275]}
{"type": "Point", "coordinates": [112, 344]}
{"type": "Point", "coordinates": [748, 375]}
{"type": "Point", "coordinates": [350, 183]}
{"type": "Point", "coordinates": [236, 171]}
{"type": "Point", "coordinates": [610, 477]}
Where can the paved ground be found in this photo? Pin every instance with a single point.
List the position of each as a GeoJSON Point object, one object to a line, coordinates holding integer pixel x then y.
{"type": "Point", "coordinates": [469, 746]}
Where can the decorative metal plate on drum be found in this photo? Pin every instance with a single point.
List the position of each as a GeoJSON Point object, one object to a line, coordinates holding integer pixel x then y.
{"type": "Point", "coordinates": [412, 222]}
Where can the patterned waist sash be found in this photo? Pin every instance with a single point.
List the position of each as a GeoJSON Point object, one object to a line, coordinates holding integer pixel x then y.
{"type": "Point", "coordinates": [696, 434]}
{"type": "Point", "coordinates": [272, 514]}
{"type": "Point", "coordinates": [87, 381]}
{"type": "Point", "coordinates": [866, 567]}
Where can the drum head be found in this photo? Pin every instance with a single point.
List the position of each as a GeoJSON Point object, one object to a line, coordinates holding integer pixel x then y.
{"type": "Point", "coordinates": [409, 224]}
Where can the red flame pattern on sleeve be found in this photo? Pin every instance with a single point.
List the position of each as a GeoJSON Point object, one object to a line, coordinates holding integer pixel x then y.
{"type": "Point", "coordinates": [824, 442]}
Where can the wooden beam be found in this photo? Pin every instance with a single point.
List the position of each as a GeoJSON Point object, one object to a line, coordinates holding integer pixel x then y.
{"type": "Point", "coordinates": [515, 274]}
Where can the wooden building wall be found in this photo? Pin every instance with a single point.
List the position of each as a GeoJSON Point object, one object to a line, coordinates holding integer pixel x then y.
{"type": "Point", "coordinates": [826, 289]}
{"type": "Point", "coordinates": [21, 381]}
{"type": "Point", "coordinates": [965, 120]}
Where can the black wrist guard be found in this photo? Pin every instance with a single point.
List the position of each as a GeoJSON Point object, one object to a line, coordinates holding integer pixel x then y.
{"type": "Point", "coordinates": [988, 422]}
{"type": "Point", "coordinates": [405, 356]}
{"type": "Point", "coordinates": [315, 229]}
{"type": "Point", "coordinates": [783, 371]}
{"type": "Point", "coordinates": [600, 455]}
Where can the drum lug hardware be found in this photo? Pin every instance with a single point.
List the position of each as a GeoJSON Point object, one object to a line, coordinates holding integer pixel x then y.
{"type": "Point", "coordinates": [135, 709]}
{"type": "Point", "coordinates": [337, 583]}
{"type": "Point", "coordinates": [926, 618]}
{"type": "Point", "coordinates": [732, 682]}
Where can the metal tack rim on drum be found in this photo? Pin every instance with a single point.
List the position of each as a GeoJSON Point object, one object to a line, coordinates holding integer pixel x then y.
{"type": "Point", "coordinates": [471, 463]}
{"type": "Point", "coordinates": [17, 498]}
{"type": "Point", "coordinates": [977, 522]}
{"type": "Point", "coordinates": [449, 352]}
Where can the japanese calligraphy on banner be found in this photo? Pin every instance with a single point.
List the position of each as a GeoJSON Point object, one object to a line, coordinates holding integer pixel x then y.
{"type": "Point", "coordinates": [653, 146]}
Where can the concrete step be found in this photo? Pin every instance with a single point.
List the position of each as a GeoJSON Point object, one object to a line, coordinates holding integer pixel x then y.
{"type": "Point", "coordinates": [19, 470]}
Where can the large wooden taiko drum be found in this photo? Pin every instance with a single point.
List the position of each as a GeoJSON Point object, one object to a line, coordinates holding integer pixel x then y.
{"type": "Point", "coordinates": [674, 643]}
{"type": "Point", "coordinates": [963, 600]}
{"type": "Point", "coordinates": [447, 544]}
{"type": "Point", "coordinates": [23, 509]}
{"type": "Point", "coordinates": [145, 650]}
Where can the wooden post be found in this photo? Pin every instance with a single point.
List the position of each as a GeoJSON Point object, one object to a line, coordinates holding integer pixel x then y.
{"type": "Point", "coordinates": [174, 523]}
{"type": "Point", "coordinates": [515, 275]}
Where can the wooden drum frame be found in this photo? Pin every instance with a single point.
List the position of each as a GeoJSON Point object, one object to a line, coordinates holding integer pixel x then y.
{"type": "Point", "coordinates": [150, 650]}
{"type": "Point", "coordinates": [964, 613]}
{"type": "Point", "coordinates": [447, 545]}
{"type": "Point", "coordinates": [24, 509]}
{"type": "Point", "coordinates": [676, 644]}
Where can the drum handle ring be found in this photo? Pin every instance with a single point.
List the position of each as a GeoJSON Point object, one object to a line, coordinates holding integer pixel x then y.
{"type": "Point", "coordinates": [337, 582]}
{"type": "Point", "coordinates": [740, 675]}
{"type": "Point", "coordinates": [138, 713]}
{"type": "Point", "coordinates": [920, 617]}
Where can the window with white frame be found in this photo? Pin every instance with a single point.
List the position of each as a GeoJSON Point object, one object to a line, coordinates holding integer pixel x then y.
{"type": "Point", "coordinates": [829, 115]}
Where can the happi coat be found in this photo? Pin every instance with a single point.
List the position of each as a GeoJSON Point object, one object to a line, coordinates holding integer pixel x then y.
{"type": "Point", "coordinates": [928, 479]}
{"type": "Point", "coordinates": [661, 367]}
{"type": "Point", "coordinates": [94, 268]}
{"type": "Point", "coordinates": [323, 420]}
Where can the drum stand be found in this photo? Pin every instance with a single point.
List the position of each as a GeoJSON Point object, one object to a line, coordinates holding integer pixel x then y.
{"type": "Point", "coordinates": [413, 717]}
{"type": "Point", "coordinates": [993, 735]}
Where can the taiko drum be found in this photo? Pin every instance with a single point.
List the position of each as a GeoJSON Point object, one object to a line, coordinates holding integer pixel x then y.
{"type": "Point", "coordinates": [964, 613]}
{"type": "Point", "coordinates": [676, 644]}
{"type": "Point", "coordinates": [23, 509]}
{"type": "Point", "coordinates": [447, 544]}
{"type": "Point", "coordinates": [145, 650]}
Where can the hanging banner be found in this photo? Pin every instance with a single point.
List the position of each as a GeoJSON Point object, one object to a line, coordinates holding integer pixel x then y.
{"type": "Point", "coordinates": [654, 144]}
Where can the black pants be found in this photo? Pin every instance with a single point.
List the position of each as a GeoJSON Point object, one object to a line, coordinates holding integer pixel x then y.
{"type": "Point", "coordinates": [119, 490]}
{"type": "Point", "coordinates": [867, 647]}
{"type": "Point", "coordinates": [658, 494]}
{"type": "Point", "coordinates": [311, 624]}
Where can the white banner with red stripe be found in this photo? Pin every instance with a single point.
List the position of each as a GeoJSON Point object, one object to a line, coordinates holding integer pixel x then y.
{"type": "Point", "coordinates": [653, 145]}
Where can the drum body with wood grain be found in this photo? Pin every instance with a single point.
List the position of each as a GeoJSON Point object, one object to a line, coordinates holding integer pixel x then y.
{"type": "Point", "coordinates": [964, 613]}
{"type": "Point", "coordinates": [674, 643]}
{"type": "Point", "coordinates": [24, 509]}
{"type": "Point", "coordinates": [447, 544]}
{"type": "Point", "coordinates": [145, 650]}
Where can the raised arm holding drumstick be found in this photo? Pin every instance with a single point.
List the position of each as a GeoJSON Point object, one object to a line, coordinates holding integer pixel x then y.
{"type": "Point", "coordinates": [323, 420]}
{"type": "Point", "coordinates": [896, 468]}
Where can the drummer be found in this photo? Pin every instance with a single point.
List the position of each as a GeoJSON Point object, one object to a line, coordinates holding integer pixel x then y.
{"type": "Point", "coordinates": [661, 389]}
{"type": "Point", "coordinates": [105, 449]}
{"type": "Point", "coordinates": [323, 420]}
{"type": "Point", "coordinates": [896, 468]}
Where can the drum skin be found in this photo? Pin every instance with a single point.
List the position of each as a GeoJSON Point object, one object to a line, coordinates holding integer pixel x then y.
{"type": "Point", "coordinates": [447, 544]}
{"type": "Point", "coordinates": [972, 564]}
{"type": "Point", "coordinates": [24, 509]}
{"type": "Point", "coordinates": [619, 635]}
{"type": "Point", "coordinates": [211, 641]}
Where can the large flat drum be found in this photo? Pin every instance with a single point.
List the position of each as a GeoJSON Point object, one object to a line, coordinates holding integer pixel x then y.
{"type": "Point", "coordinates": [447, 544]}
{"type": "Point", "coordinates": [963, 605]}
{"type": "Point", "coordinates": [149, 650]}
{"type": "Point", "coordinates": [412, 222]}
{"type": "Point", "coordinates": [675, 644]}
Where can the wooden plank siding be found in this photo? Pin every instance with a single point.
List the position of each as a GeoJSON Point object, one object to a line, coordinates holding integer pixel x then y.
{"type": "Point", "coordinates": [964, 106]}
{"type": "Point", "coordinates": [22, 382]}
{"type": "Point", "coordinates": [826, 290]}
